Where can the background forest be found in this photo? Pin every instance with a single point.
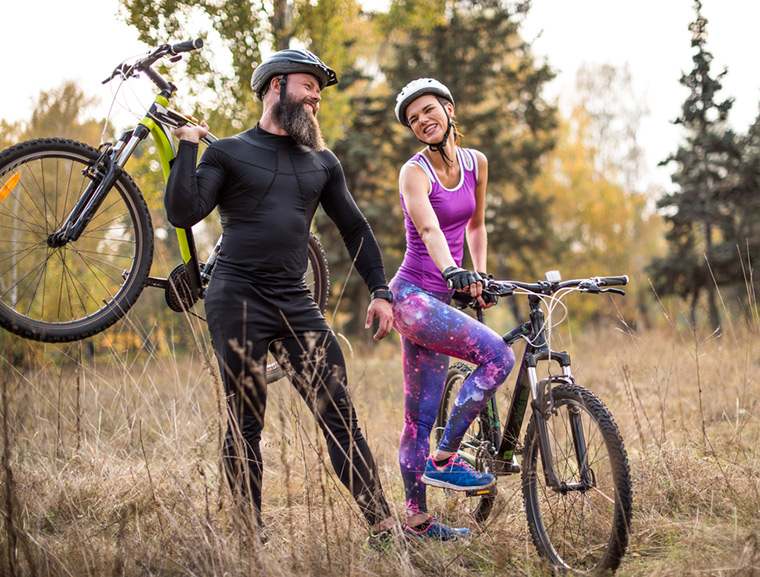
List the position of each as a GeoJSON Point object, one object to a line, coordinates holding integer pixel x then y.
{"type": "Point", "coordinates": [566, 191]}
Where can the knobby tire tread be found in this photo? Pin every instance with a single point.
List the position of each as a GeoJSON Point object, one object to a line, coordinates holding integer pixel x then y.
{"type": "Point", "coordinates": [619, 466]}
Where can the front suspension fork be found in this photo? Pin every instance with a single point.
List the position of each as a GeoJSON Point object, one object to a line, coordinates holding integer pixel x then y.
{"type": "Point", "coordinates": [543, 409]}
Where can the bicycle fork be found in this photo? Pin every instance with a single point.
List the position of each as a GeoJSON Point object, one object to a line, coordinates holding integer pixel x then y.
{"type": "Point", "coordinates": [103, 174]}
{"type": "Point", "coordinates": [544, 409]}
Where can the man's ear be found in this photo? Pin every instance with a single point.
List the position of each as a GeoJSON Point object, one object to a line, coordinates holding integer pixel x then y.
{"type": "Point", "coordinates": [274, 84]}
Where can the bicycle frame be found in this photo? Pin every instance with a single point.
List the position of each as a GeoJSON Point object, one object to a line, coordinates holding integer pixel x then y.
{"type": "Point", "coordinates": [528, 386]}
{"type": "Point", "coordinates": [157, 122]}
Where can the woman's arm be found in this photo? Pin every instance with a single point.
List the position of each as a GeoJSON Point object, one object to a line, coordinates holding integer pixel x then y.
{"type": "Point", "coordinates": [415, 188]}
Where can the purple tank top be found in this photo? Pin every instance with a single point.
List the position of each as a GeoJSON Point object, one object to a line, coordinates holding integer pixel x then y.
{"type": "Point", "coordinates": [454, 208]}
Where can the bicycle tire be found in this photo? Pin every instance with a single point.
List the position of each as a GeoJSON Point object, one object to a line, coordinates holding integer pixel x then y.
{"type": "Point", "coordinates": [480, 440]}
{"type": "Point", "coordinates": [586, 530]}
{"type": "Point", "coordinates": [69, 293]}
{"type": "Point", "coordinates": [317, 278]}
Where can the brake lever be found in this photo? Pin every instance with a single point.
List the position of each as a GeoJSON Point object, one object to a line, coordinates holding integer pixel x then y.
{"type": "Point", "coordinates": [121, 70]}
{"type": "Point", "coordinates": [617, 291]}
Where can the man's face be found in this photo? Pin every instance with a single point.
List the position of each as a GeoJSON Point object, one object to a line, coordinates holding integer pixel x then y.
{"type": "Point", "coordinates": [297, 112]}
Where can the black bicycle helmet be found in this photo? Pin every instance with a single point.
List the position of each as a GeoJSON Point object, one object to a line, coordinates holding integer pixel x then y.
{"type": "Point", "coordinates": [414, 90]}
{"type": "Point", "coordinates": [291, 62]}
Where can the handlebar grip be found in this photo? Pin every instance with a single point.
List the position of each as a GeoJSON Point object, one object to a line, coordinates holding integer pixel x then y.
{"type": "Point", "coordinates": [186, 46]}
{"type": "Point", "coordinates": [615, 280]}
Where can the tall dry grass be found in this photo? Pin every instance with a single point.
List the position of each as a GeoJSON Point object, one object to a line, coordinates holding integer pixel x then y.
{"type": "Point", "coordinates": [111, 464]}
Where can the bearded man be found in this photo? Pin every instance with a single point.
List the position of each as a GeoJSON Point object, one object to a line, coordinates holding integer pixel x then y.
{"type": "Point", "coordinates": [266, 183]}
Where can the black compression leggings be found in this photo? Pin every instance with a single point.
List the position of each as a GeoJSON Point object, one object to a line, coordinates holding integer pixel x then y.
{"type": "Point", "coordinates": [318, 367]}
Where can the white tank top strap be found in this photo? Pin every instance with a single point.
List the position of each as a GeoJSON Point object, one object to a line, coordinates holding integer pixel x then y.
{"type": "Point", "coordinates": [468, 161]}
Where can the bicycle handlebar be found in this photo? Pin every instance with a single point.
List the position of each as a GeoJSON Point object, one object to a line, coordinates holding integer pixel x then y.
{"type": "Point", "coordinates": [592, 285]}
{"type": "Point", "coordinates": [145, 64]}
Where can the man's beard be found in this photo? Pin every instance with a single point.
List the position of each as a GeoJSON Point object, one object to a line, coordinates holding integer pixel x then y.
{"type": "Point", "coordinates": [299, 122]}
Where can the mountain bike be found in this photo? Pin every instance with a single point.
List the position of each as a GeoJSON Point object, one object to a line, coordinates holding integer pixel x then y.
{"type": "Point", "coordinates": [576, 483]}
{"type": "Point", "coordinates": [76, 238]}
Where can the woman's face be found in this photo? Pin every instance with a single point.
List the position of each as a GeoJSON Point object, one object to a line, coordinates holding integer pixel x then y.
{"type": "Point", "coordinates": [428, 119]}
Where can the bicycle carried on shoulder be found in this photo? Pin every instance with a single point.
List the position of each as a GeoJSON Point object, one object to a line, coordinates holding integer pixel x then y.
{"type": "Point", "coordinates": [574, 469]}
{"type": "Point", "coordinates": [76, 238]}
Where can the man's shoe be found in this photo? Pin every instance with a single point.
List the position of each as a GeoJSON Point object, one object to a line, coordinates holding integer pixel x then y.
{"type": "Point", "coordinates": [457, 475]}
{"type": "Point", "coordinates": [386, 540]}
{"type": "Point", "coordinates": [437, 531]}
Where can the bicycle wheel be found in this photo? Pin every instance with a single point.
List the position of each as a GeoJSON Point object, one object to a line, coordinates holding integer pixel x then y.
{"type": "Point", "coordinates": [317, 274]}
{"type": "Point", "coordinates": [479, 443]}
{"type": "Point", "coordinates": [582, 523]}
{"type": "Point", "coordinates": [68, 293]}
{"type": "Point", "coordinates": [318, 280]}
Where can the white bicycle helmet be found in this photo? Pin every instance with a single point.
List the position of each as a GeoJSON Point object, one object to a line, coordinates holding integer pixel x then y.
{"type": "Point", "coordinates": [291, 62]}
{"type": "Point", "coordinates": [414, 90]}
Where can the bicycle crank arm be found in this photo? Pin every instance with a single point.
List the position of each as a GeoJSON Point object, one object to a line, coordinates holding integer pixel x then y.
{"type": "Point", "coordinates": [161, 283]}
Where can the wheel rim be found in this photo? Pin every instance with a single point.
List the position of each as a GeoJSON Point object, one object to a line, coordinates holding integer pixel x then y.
{"type": "Point", "coordinates": [474, 448]}
{"type": "Point", "coordinates": [576, 527]}
{"type": "Point", "coordinates": [73, 283]}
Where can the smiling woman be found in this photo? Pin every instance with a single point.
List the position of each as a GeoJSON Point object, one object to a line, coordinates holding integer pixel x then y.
{"type": "Point", "coordinates": [443, 197]}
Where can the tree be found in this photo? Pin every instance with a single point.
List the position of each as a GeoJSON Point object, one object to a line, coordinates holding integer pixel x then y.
{"type": "Point", "coordinates": [601, 228]}
{"type": "Point", "coordinates": [240, 34]}
{"type": "Point", "coordinates": [703, 163]}
{"type": "Point", "coordinates": [607, 94]}
{"type": "Point", "coordinates": [492, 72]}
{"type": "Point", "coordinates": [237, 31]}
{"type": "Point", "coordinates": [59, 112]}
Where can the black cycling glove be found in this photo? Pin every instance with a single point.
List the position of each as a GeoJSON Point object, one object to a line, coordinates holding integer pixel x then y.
{"type": "Point", "coordinates": [458, 278]}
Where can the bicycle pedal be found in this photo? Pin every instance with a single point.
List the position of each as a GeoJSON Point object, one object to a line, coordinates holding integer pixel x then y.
{"type": "Point", "coordinates": [492, 490]}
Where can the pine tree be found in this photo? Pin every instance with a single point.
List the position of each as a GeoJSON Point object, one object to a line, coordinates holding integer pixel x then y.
{"type": "Point", "coordinates": [703, 163]}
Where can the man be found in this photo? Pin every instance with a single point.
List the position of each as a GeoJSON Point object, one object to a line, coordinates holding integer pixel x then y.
{"type": "Point", "coordinates": [267, 183]}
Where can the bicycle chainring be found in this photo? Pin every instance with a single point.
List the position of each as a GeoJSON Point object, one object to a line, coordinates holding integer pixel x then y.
{"type": "Point", "coordinates": [179, 296]}
{"type": "Point", "coordinates": [484, 457]}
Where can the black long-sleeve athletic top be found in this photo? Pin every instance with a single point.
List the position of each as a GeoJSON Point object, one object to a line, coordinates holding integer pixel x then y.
{"type": "Point", "coordinates": [267, 189]}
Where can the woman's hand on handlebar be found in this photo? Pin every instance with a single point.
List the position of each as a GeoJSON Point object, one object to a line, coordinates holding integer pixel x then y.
{"type": "Point", "coordinates": [191, 132]}
{"type": "Point", "coordinates": [487, 300]}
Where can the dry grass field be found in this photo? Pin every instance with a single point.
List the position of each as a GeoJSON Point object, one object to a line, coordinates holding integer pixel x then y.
{"type": "Point", "coordinates": [110, 465]}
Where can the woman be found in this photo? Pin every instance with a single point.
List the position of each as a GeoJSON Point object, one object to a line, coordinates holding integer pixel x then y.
{"type": "Point", "coordinates": [442, 191]}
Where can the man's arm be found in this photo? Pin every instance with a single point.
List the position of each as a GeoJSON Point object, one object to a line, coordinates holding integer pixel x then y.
{"type": "Point", "coordinates": [190, 197]}
{"type": "Point", "coordinates": [362, 247]}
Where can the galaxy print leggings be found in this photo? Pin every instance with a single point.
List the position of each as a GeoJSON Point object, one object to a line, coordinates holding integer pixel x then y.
{"type": "Point", "coordinates": [432, 331]}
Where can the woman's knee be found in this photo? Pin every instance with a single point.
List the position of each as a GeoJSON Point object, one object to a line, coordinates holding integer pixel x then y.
{"type": "Point", "coordinates": [499, 363]}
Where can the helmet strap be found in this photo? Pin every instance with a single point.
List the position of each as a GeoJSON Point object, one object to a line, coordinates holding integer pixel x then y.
{"type": "Point", "coordinates": [283, 87]}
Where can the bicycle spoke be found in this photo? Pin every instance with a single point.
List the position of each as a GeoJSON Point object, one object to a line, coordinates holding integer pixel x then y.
{"type": "Point", "coordinates": [576, 524]}
{"type": "Point", "coordinates": [62, 292]}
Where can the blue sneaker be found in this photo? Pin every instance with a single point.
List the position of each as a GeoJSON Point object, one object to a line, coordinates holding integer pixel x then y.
{"type": "Point", "coordinates": [457, 475]}
{"type": "Point", "coordinates": [437, 531]}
